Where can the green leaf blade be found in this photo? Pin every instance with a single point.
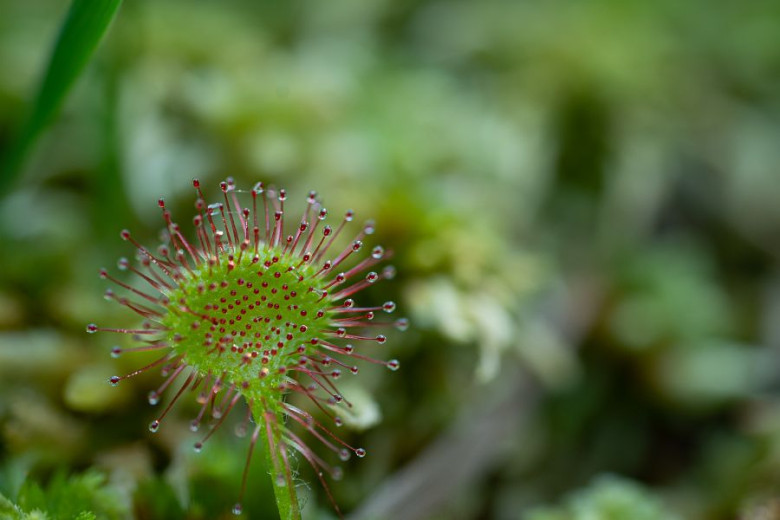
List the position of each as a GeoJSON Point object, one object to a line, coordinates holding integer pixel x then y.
{"type": "Point", "coordinates": [80, 34]}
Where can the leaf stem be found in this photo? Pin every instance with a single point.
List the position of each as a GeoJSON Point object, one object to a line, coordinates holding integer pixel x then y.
{"type": "Point", "coordinates": [277, 459]}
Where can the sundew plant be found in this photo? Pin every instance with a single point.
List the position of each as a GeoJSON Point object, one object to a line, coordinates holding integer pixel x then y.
{"type": "Point", "coordinates": [581, 200]}
{"type": "Point", "coordinates": [249, 309]}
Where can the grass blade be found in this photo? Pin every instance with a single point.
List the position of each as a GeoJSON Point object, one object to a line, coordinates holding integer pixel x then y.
{"type": "Point", "coordinates": [82, 30]}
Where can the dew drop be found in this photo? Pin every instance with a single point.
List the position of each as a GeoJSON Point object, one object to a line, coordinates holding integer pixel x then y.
{"type": "Point", "coordinates": [198, 447]}
{"type": "Point", "coordinates": [372, 277]}
{"type": "Point", "coordinates": [378, 252]}
{"type": "Point", "coordinates": [393, 365]}
{"type": "Point", "coordinates": [113, 380]}
{"type": "Point", "coordinates": [92, 328]}
{"type": "Point", "coordinates": [388, 307]}
{"type": "Point", "coordinates": [381, 338]}
{"type": "Point", "coordinates": [116, 352]}
{"type": "Point", "coordinates": [280, 480]}
{"type": "Point", "coordinates": [354, 370]}
{"type": "Point", "coordinates": [153, 397]}
{"type": "Point", "coordinates": [194, 426]}
{"type": "Point", "coordinates": [360, 452]}
{"type": "Point", "coordinates": [349, 302]}
{"type": "Point", "coordinates": [402, 324]}
{"type": "Point", "coordinates": [337, 473]}
{"type": "Point", "coordinates": [344, 454]}
{"type": "Point", "coordinates": [335, 374]}
{"type": "Point", "coordinates": [338, 422]}
{"type": "Point", "coordinates": [154, 426]}
{"type": "Point", "coordinates": [237, 509]}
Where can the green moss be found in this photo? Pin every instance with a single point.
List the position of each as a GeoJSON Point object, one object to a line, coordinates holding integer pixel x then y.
{"type": "Point", "coordinates": [80, 497]}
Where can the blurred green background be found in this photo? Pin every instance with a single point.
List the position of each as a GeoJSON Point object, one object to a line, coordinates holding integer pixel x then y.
{"type": "Point", "coordinates": [584, 202]}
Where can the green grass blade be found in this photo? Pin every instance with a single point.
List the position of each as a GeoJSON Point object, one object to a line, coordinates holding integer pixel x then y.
{"type": "Point", "coordinates": [82, 30]}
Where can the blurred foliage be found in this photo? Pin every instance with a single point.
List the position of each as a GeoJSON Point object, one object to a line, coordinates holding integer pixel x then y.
{"type": "Point", "coordinates": [608, 498]}
{"type": "Point", "coordinates": [585, 190]}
